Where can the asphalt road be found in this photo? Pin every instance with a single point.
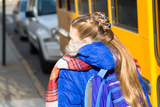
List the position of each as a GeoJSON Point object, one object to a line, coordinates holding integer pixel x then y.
{"type": "Point", "coordinates": [24, 49]}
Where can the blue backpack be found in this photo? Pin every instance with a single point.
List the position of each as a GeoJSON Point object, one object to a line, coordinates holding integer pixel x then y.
{"type": "Point", "coordinates": [96, 93]}
{"type": "Point", "coordinates": [99, 93]}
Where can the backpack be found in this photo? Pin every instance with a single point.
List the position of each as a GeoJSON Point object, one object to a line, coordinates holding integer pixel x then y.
{"type": "Point", "coordinates": [96, 92]}
{"type": "Point", "coordinates": [103, 90]}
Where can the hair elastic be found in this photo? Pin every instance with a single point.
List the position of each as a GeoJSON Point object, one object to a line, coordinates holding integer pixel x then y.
{"type": "Point", "coordinates": [98, 14]}
{"type": "Point", "coordinates": [109, 24]}
{"type": "Point", "coordinates": [105, 17]}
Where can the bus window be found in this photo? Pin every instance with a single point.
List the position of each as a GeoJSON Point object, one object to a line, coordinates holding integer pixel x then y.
{"type": "Point", "coordinates": [83, 6]}
{"type": "Point", "coordinates": [158, 90]}
{"type": "Point", "coordinates": [156, 16]}
{"type": "Point", "coordinates": [71, 5]}
{"type": "Point", "coordinates": [157, 29]}
{"type": "Point", "coordinates": [100, 6]}
{"type": "Point", "coordinates": [62, 4]}
{"type": "Point", "coordinates": [125, 13]}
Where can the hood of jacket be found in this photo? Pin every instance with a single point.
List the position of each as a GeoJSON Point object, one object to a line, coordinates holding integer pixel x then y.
{"type": "Point", "coordinates": [95, 53]}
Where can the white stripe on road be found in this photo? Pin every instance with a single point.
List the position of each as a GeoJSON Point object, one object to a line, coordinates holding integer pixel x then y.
{"type": "Point", "coordinates": [33, 102]}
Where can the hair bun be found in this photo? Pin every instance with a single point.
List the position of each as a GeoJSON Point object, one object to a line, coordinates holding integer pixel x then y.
{"type": "Point", "coordinates": [103, 20]}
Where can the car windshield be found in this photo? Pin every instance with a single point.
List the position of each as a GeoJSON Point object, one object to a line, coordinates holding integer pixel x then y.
{"type": "Point", "coordinates": [46, 7]}
{"type": "Point", "coordinates": [23, 6]}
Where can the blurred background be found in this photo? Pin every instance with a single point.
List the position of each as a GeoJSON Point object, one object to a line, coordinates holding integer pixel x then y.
{"type": "Point", "coordinates": [23, 81]}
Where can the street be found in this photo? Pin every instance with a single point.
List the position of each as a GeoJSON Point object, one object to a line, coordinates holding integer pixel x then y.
{"type": "Point", "coordinates": [23, 47]}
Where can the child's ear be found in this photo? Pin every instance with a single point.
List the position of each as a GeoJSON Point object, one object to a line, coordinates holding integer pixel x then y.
{"type": "Point", "coordinates": [87, 39]}
{"type": "Point", "coordinates": [84, 40]}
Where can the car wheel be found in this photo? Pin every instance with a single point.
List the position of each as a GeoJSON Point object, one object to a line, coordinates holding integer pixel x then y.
{"type": "Point", "coordinates": [23, 38]}
{"type": "Point", "coordinates": [15, 30]}
{"type": "Point", "coordinates": [46, 67]}
{"type": "Point", "coordinates": [33, 50]}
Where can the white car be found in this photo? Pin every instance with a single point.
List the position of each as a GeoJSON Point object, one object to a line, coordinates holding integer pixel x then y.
{"type": "Point", "coordinates": [42, 24]}
{"type": "Point", "coordinates": [19, 17]}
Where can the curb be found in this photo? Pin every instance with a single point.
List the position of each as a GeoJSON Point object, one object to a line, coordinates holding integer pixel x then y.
{"type": "Point", "coordinates": [36, 82]}
{"type": "Point", "coordinates": [25, 64]}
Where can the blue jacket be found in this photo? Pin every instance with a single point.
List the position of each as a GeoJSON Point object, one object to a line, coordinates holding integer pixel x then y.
{"type": "Point", "coordinates": [72, 84]}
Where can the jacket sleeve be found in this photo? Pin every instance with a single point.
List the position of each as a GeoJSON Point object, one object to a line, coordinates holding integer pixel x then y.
{"type": "Point", "coordinates": [144, 89]}
{"type": "Point", "coordinates": [68, 93]}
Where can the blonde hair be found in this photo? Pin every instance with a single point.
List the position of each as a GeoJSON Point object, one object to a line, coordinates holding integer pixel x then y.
{"type": "Point", "coordinates": [97, 27]}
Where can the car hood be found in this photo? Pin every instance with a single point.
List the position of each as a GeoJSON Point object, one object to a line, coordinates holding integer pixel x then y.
{"type": "Point", "coordinates": [49, 21]}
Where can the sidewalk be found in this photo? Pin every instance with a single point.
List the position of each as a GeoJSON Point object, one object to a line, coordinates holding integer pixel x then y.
{"type": "Point", "coordinates": [18, 85]}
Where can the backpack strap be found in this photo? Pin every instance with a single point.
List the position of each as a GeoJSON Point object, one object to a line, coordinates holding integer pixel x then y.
{"type": "Point", "coordinates": [88, 93]}
{"type": "Point", "coordinates": [88, 96]}
{"type": "Point", "coordinates": [102, 73]}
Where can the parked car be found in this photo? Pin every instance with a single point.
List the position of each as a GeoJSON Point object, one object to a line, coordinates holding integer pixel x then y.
{"type": "Point", "coordinates": [42, 24]}
{"type": "Point", "coordinates": [19, 18]}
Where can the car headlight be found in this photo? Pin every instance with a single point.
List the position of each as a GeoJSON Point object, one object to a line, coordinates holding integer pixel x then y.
{"type": "Point", "coordinates": [54, 31]}
{"type": "Point", "coordinates": [55, 36]}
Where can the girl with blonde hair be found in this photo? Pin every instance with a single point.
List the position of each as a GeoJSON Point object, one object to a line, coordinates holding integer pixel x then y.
{"type": "Point", "coordinates": [94, 46]}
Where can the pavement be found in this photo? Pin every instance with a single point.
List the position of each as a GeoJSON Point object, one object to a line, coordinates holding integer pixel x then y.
{"type": "Point", "coordinates": [19, 87]}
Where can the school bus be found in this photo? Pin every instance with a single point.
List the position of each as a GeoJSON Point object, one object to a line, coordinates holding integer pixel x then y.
{"type": "Point", "coordinates": [135, 22]}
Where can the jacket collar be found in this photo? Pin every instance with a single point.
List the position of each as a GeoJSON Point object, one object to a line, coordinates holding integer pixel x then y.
{"type": "Point", "coordinates": [96, 53]}
{"type": "Point", "coordinates": [73, 47]}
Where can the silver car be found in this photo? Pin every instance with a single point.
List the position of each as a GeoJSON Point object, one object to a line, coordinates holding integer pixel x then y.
{"type": "Point", "coordinates": [19, 17]}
